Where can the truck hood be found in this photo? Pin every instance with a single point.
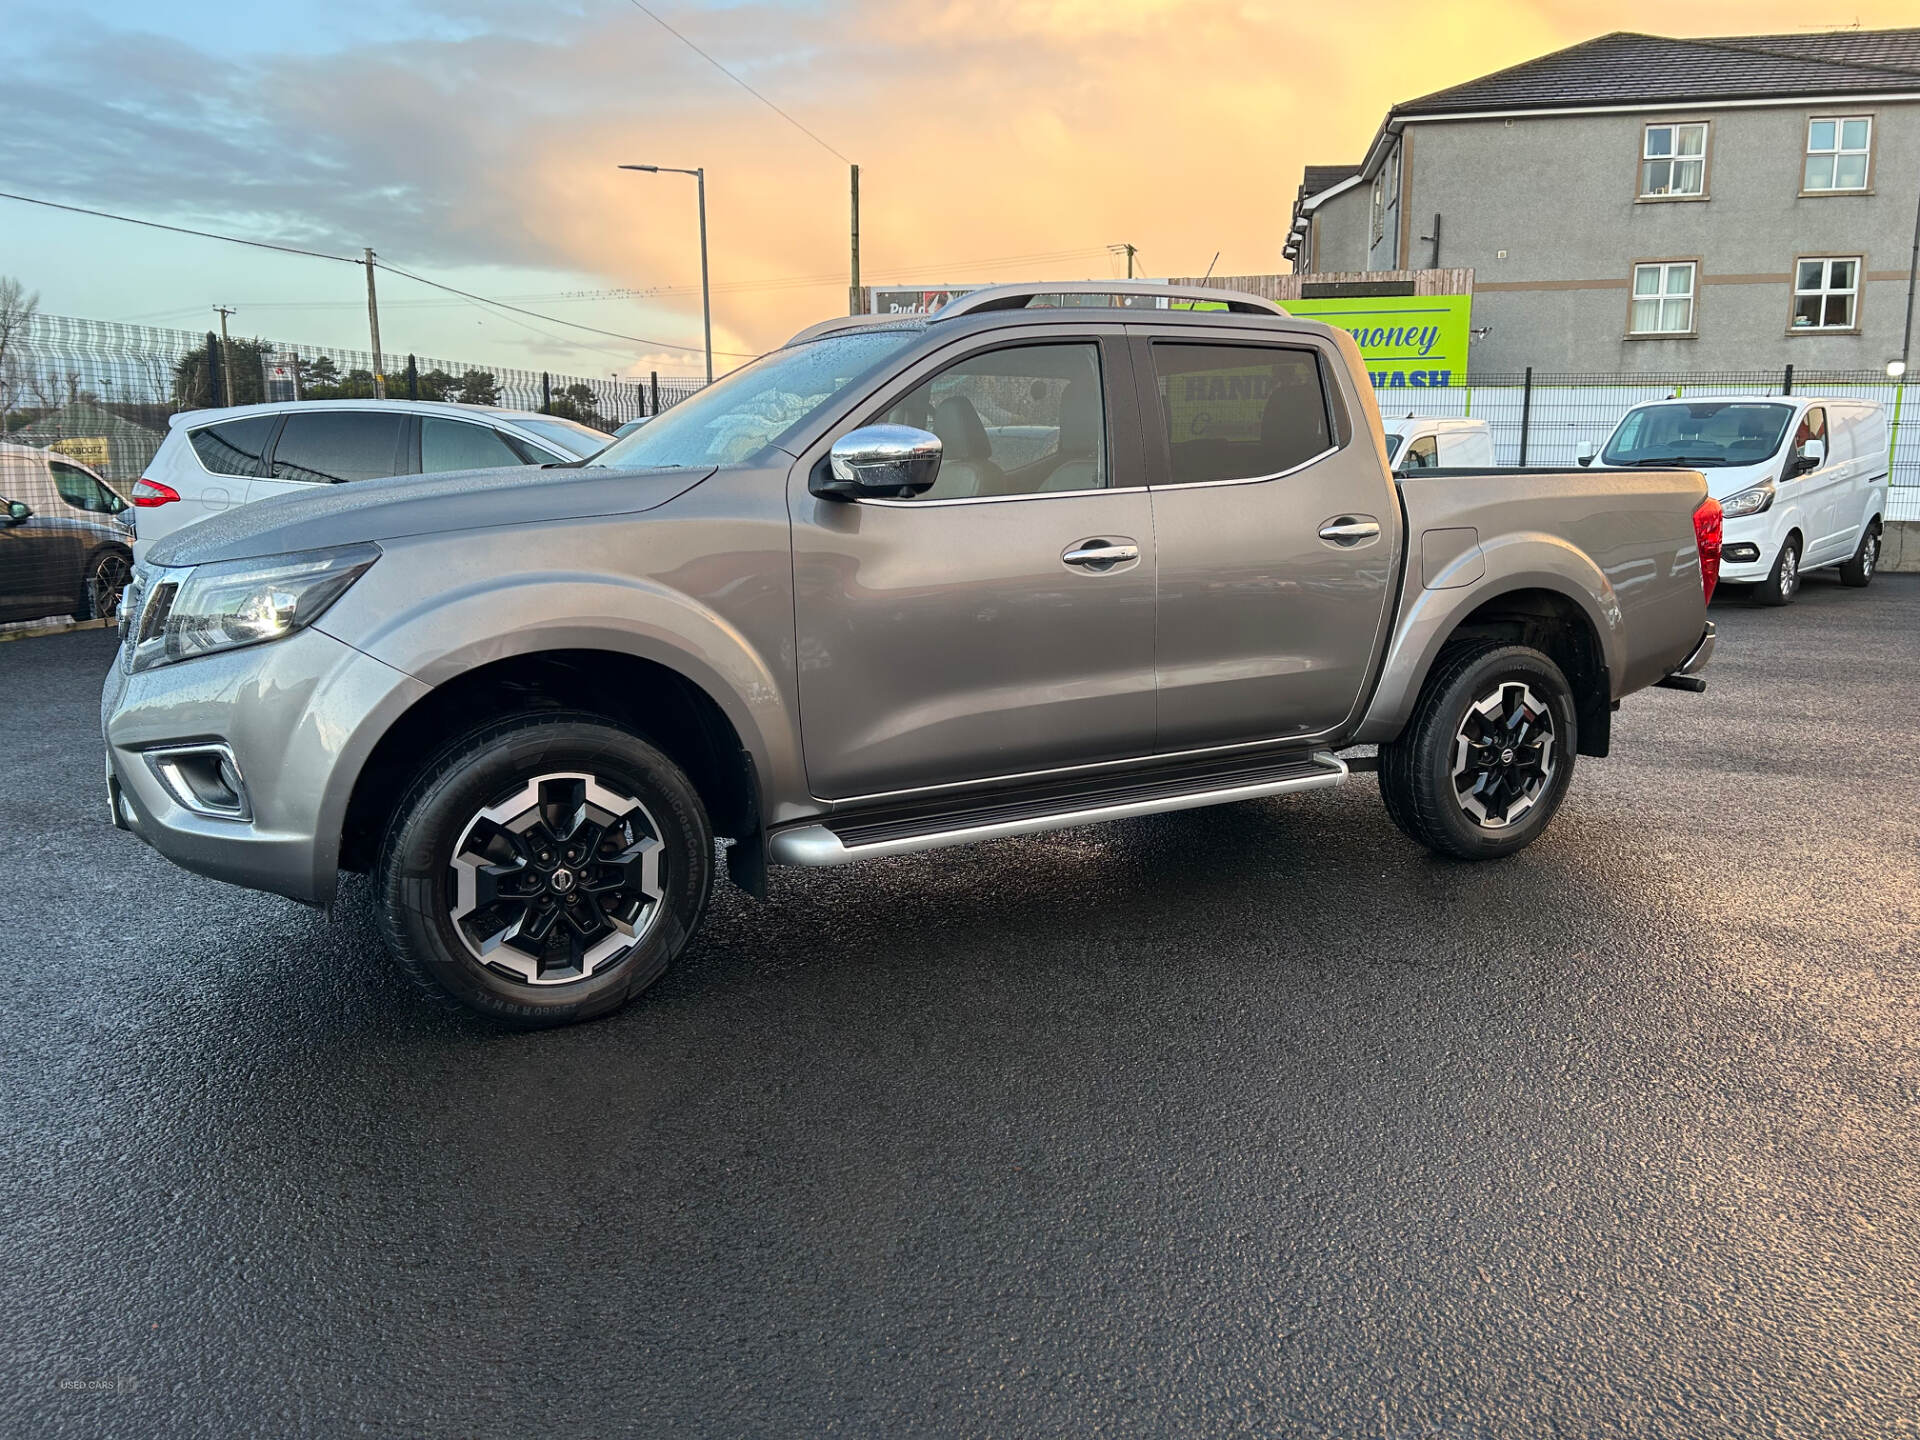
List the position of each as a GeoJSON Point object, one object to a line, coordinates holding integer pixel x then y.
{"type": "Point", "coordinates": [418, 505]}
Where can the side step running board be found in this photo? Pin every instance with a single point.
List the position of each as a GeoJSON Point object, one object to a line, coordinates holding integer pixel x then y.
{"type": "Point", "coordinates": [840, 843]}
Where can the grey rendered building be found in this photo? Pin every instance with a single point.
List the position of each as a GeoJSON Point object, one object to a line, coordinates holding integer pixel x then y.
{"type": "Point", "coordinates": [1638, 203]}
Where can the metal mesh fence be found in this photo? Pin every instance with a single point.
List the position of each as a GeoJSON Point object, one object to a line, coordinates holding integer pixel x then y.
{"type": "Point", "coordinates": [102, 392]}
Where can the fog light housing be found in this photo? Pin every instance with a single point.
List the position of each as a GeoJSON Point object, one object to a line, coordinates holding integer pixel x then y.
{"type": "Point", "coordinates": [203, 778]}
{"type": "Point", "coordinates": [1740, 554]}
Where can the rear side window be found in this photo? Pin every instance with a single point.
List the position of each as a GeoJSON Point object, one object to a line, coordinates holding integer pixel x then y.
{"type": "Point", "coordinates": [329, 446]}
{"type": "Point", "coordinates": [459, 445]}
{"type": "Point", "coordinates": [234, 447]}
{"type": "Point", "coordinates": [1237, 412]}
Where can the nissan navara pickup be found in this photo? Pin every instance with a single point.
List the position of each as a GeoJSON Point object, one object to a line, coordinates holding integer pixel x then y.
{"type": "Point", "coordinates": [1046, 557]}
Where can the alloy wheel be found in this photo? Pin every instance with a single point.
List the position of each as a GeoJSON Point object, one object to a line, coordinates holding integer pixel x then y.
{"type": "Point", "coordinates": [106, 584]}
{"type": "Point", "coordinates": [1869, 555]}
{"type": "Point", "coordinates": [558, 880]}
{"type": "Point", "coordinates": [1789, 571]}
{"type": "Point", "coordinates": [1503, 756]}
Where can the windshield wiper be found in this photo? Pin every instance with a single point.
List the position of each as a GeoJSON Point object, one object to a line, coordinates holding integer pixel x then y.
{"type": "Point", "coordinates": [1682, 460]}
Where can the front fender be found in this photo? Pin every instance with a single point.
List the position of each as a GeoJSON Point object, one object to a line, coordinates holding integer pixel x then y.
{"type": "Point", "coordinates": [466, 621]}
{"type": "Point", "coordinates": [1428, 618]}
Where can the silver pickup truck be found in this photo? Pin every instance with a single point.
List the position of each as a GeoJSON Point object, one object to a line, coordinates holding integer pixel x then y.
{"type": "Point", "coordinates": [1044, 558]}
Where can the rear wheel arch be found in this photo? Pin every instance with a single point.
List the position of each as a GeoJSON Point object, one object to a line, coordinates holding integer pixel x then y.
{"type": "Point", "coordinates": [1559, 627]}
{"type": "Point", "coordinates": [647, 698]}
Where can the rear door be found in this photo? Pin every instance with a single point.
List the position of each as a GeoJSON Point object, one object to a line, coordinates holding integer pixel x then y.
{"type": "Point", "coordinates": [1278, 536]}
{"type": "Point", "coordinates": [332, 447]}
{"type": "Point", "coordinates": [1003, 622]}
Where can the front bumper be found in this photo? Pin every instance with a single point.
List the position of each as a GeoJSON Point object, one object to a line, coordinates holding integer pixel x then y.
{"type": "Point", "coordinates": [299, 716]}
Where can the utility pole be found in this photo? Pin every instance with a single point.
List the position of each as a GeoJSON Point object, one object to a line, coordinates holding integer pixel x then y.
{"type": "Point", "coordinates": [1124, 249]}
{"type": "Point", "coordinates": [226, 352]}
{"type": "Point", "coordinates": [373, 325]}
{"type": "Point", "coordinates": [854, 307]}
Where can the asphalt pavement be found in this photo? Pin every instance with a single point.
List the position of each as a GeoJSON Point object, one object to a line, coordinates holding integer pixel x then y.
{"type": "Point", "coordinates": [1252, 1121]}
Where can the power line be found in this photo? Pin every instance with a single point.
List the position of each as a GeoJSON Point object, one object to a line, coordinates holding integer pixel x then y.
{"type": "Point", "coordinates": [738, 81]}
{"type": "Point", "coordinates": [178, 229]}
{"type": "Point", "coordinates": [556, 320]}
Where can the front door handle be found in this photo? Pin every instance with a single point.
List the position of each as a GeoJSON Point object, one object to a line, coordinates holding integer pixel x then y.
{"type": "Point", "coordinates": [1350, 529]}
{"type": "Point", "coordinates": [1101, 554]}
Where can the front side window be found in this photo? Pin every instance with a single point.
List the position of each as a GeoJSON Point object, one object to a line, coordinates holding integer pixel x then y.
{"type": "Point", "coordinates": [447, 445]}
{"type": "Point", "coordinates": [1026, 420]}
{"type": "Point", "coordinates": [1673, 161]}
{"type": "Point", "coordinates": [83, 492]}
{"type": "Point", "coordinates": [758, 405]}
{"type": "Point", "coordinates": [331, 446]}
{"type": "Point", "coordinates": [1826, 293]}
{"type": "Point", "coordinates": [1239, 412]}
{"type": "Point", "coordinates": [234, 447]}
{"type": "Point", "coordinates": [1699, 434]}
{"type": "Point", "coordinates": [1423, 454]}
{"type": "Point", "coordinates": [1662, 298]}
{"type": "Point", "coordinates": [1837, 151]}
{"type": "Point", "coordinates": [1813, 426]}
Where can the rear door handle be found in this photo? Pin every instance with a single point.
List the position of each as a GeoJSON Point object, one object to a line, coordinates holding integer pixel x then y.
{"type": "Point", "coordinates": [1350, 529]}
{"type": "Point", "coordinates": [1101, 554]}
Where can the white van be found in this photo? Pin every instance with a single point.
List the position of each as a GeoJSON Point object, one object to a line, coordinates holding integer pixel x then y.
{"type": "Point", "coordinates": [1423, 443]}
{"type": "Point", "coordinates": [1802, 481]}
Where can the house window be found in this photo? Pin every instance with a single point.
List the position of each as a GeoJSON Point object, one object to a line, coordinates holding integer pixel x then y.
{"type": "Point", "coordinates": [1662, 298]}
{"type": "Point", "coordinates": [1673, 161]}
{"type": "Point", "coordinates": [1379, 209]}
{"type": "Point", "coordinates": [1837, 152]}
{"type": "Point", "coordinates": [1825, 293]}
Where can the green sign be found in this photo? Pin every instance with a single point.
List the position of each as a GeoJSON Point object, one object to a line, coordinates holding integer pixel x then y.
{"type": "Point", "coordinates": [1407, 340]}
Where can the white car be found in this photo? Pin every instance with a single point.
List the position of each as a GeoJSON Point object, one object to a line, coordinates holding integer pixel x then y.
{"type": "Point", "coordinates": [1424, 443]}
{"type": "Point", "coordinates": [212, 460]}
{"type": "Point", "coordinates": [1801, 480]}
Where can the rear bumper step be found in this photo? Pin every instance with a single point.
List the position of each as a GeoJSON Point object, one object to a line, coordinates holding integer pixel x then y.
{"type": "Point", "coordinates": [1687, 676]}
{"type": "Point", "coordinates": [842, 842]}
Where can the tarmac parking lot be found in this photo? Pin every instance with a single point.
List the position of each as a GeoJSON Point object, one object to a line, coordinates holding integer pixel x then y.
{"type": "Point", "coordinates": [1248, 1121]}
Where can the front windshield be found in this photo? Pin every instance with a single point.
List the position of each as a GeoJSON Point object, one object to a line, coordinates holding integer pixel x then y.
{"type": "Point", "coordinates": [1699, 434]}
{"type": "Point", "coordinates": [738, 416]}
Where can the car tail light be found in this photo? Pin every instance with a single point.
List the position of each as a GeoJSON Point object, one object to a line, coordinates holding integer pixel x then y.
{"type": "Point", "coordinates": [1706, 534]}
{"type": "Point", "coordinates": [149, 493]}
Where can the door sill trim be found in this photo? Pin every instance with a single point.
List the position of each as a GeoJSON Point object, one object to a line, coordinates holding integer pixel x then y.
{"type": "Point", "coordinates": [816, 845]}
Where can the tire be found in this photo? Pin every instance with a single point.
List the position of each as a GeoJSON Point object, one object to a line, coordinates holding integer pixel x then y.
{"type": "Point", "coordinates": [1524, 780]}
{"type": "Point", "coordinates": [105, 581]}
{"type": "Point", "coordinates": [1858, 572]}
{"type": "Point", "coordinates": [1782, 585]}
{"type": "Point", "coordinates": [482, 853]}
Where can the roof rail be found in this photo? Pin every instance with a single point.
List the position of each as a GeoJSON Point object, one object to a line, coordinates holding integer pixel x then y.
{"type": "Point", "coordinates": [1020, 297]}
{"type": "Point", "coordinates": [841, 323]}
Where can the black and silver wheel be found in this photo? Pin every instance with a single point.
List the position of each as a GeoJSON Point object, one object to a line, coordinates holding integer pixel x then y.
{"type": "Point", "coordinates": [1783, 582]}
{"type": "Point", "coordinates": [108, 572]}
{"type": "Point", "coordinates": [545, 870]}
{"type": "Point", "coordinates": [1487, 755]}
{"type": "Point", "coordinates": [1858, 572]}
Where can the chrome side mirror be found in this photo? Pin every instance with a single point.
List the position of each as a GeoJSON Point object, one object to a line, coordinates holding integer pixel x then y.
{"type": "Point", "coordinates": [890, 462]}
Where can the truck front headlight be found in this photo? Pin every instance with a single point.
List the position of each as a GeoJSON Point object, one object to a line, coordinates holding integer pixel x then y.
{"type": "Point", "coordinates": [1747, 502]}
{"type": "Point", "coordinates": [242, 602]}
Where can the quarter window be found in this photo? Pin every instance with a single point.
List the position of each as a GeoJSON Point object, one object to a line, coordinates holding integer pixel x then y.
{"type": "Point", "coordinates": [461, 445]}
{"type": "Point", "coordinates": [1239, 412]}
{"type": "Point", "coordinates": [1826, 293]}
{"type": "Point", "coordinates": [1021, 421]}
{"type": "Point", "coordinates": [1837, 152]}
{"type": "Point", "coordinates": [235, 447]}
{"type": "Point", "coordinates": [328, 446]}
{"type": "Point", "coordinates": [1673, 161]}
{"type": "Point", "coordinates": [1662, 299]}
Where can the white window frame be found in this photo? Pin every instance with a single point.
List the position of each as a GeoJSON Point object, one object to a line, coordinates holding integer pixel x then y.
{"type": "Point", "coordinates": [1826, 290]}
{"type": "Point", "coordinates": [1673, 158]}
{"type": "Point", "coordinates": [1836, 151]}
{"type": "Point", "coordinates": [1663, 296]}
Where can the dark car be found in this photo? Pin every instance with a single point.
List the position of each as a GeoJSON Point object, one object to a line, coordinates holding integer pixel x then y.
{"type": "Point", "coordinates": [66, 539]}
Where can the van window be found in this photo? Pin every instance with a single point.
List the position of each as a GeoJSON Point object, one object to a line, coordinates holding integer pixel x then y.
{"type": "Point", "coordinates": [83, 492]}
{"type": "Point", "coordinates": [234, 447]}
{"type": "Point", "coordinates": [1699, 434]}
{"type": "Point", "coordinates": [329, 446]}
{"type": "Point", "coordinates": [1813, 426]}
{"type": "Point", "coordinates": [1423, 454]}
{"type": "Point", "coordinates": [1238, 412]}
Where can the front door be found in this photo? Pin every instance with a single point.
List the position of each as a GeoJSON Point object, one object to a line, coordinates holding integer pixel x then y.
{"type": "Point", "coordinates": [1001, 623]}
{"type": "Point", "coordinates": [1278, 534]}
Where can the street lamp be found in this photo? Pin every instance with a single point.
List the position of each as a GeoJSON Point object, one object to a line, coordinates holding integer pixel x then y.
{"type": "Point", "coordinates": [706, 299]}
{"type": "Point", "coordinates": [1896, 368]}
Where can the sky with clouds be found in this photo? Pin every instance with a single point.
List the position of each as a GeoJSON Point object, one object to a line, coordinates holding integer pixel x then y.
{"type": "Point", "coordinates": [477, 143]}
